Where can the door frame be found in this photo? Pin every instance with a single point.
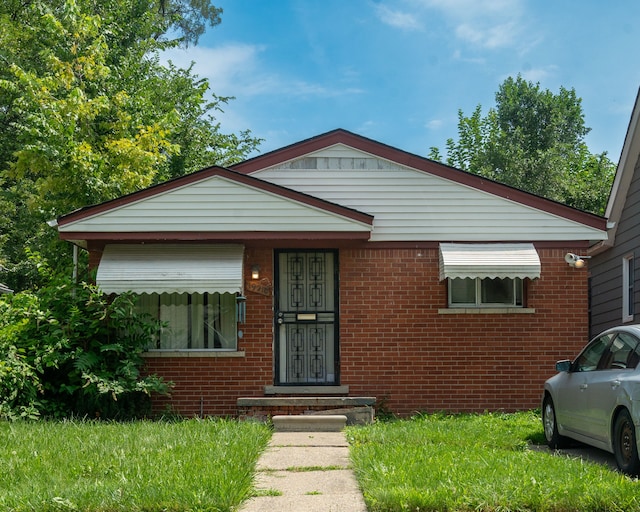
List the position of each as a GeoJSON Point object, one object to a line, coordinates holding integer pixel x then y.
{"type": "Point", "coordinates": [276, 310]}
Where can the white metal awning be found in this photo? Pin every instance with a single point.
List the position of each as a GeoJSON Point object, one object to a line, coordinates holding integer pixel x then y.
{"type": "Point", "coordinates": [171, 268]}
{"type": "Point", "coordinates": [489, 260]}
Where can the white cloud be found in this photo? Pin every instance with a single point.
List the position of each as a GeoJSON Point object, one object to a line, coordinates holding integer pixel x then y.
{"type": "Point", "coordinates": [538, 74]}
{"type": "Point", "coordinates": [435, 124]}
{"type": "Point", "coordinates": [476, 9]}
{"type": "Point", "coordinates": [488, 24]}
{"type": "Point", "coordinates": [226, 67]}
{"type": "Point", "coordinates": [238, 70]}
{"type": "Point", "coordinates": [497, 36]}
{"type": "Point", "coordinates": [397, 19]}
{"type": "Point", "coordinates": [457, 55]}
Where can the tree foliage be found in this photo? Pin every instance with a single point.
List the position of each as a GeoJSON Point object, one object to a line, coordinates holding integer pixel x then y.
{"type": "Point", "coordinates": [189, 17]}
{"type": "Point", "coordinates": [70, 350]}
{"type": "Point", "coordinates": [88, 112]}
{"type": "Point", "coordinates": [533, 140]}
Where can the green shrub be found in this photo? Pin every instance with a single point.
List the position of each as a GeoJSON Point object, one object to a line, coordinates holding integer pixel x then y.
{"type": "Point", "coordinates": [69, 350]}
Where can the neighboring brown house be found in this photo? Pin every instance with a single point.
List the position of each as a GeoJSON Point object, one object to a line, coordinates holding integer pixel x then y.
{"type": "Point", "coordinates": [614, 268]}
{"type": "Point", "coordinates": [342, 267]}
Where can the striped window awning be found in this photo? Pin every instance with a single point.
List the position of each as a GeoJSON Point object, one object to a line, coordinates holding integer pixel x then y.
{"type": "Point", "coordinates": [171, 268]}
{"type": "Point", "coordinates": [489, 260]}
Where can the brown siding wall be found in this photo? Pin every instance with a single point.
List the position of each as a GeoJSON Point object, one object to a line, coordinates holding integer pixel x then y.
{"type": "Point", "coordinates": [606, 268]}
{"type": "Point", "coordinates": [398, 347]}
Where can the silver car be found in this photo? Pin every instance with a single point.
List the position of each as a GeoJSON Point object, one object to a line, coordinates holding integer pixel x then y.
{"type": "Point", "coordinates": [595, 399]}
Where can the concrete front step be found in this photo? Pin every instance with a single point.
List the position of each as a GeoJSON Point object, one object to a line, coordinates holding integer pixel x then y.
{"type": "Point", "coordinates": [358, 410]}
{"type": "Point", "coordinates": [309, 423]}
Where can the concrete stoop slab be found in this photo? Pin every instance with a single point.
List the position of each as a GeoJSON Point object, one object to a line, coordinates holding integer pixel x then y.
{"type": "Point", "coordinates": [309, 423]}
{"type": "Point", "coordinates": [308, 439]}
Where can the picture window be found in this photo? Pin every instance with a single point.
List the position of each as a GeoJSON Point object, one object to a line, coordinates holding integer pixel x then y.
{"type": "Point", "coordinates": [197, 321]}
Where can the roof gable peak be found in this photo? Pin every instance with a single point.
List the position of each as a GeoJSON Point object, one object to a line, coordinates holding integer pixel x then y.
{"type": "Point", "coordinates": [403, 158]}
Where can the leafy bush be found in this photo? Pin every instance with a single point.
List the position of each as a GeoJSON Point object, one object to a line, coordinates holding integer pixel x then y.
{"type": "Point", "coordinates": [69, 350]}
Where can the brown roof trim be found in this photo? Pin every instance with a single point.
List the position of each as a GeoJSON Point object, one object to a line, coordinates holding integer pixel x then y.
{"type": "Point", "coordinates": [211, 236]}
{"type": "Point", "coordinates": [332, 240]}
{"type": "Point", "coordinates": [428, 244]}
{"type": "Point", "coordinates": [399, 156]}
{"type": "Point", "coordinates": [188, 179]}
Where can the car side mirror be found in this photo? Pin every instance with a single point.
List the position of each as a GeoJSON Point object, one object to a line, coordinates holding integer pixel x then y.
{"type": "Point", "coordinates": [563, 366]}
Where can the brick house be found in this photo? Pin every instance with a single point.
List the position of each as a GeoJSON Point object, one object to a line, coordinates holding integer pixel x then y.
{"type": "Point", "coordinates": [339, 267]}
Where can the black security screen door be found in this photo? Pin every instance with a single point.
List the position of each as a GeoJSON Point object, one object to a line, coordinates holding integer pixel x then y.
{"type": "Point", "coordinates": [306, 318]}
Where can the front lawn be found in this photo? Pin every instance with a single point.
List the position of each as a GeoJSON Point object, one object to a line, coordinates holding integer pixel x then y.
{"type": "Point", "coordinates": [428, 463]}
{"type": "Point", "coordinates": [141, 466]}
{"type": "Point", "coordinates": [478, 463]}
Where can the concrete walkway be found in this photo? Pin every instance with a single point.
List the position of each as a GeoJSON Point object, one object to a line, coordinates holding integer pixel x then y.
{"type": "Point", "coordinates": [310, 472]}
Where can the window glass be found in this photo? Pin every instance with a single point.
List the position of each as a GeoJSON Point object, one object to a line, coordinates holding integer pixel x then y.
{"type": "Point", "coordinates": [193, 321]}
{"type": "Point", "coordinates": [621, 353]}
{"type": "Point", "coordinates": [485, 292]}
{"type": "Point", "coordinates": [497, 291]}
{"type": "Point", "coordinates": [588, 360]}
{"type": "Point", "coordinates": [462, 291]}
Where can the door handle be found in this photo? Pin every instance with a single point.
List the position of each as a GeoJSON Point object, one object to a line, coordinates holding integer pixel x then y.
{"type": "Point", "coordinates": [615, 383]}
{"type": "Point", "coordinates": [583, 387]}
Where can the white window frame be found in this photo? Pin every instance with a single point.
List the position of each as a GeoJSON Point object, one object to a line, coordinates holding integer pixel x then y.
{"type": "Point", "coordinates": [628, 282]}
{"type": "Point", "coordinates": [517, 282]}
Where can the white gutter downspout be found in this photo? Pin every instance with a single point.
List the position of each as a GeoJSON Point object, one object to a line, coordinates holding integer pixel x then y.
{"type": "Point", "coordinates": [75, 264]}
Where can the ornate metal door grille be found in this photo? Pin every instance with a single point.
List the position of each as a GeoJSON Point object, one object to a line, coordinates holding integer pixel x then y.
{"type": "Point", "coordinates": [306, 318]}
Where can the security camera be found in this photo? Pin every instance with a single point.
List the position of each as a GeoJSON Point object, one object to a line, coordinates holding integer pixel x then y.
{"type": "Point", "coordinates": [574, 260]}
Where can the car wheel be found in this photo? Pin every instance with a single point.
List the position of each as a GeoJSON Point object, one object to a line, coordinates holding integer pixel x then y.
{"type": "Point", "coordinates": [624, 444]}
{"type": "Point", "coordinates": [550, 424]}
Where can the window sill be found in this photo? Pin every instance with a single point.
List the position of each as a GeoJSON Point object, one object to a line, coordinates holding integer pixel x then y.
{"type": "Point", "coordinates": [193, 353]}
{"type": "Point", "coordinates": [487, 311]}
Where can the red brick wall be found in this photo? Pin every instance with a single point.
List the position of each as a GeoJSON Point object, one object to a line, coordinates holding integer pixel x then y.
{"type": "Point", "coordinates": [396, 346]}
{"type": "Point", "coordinates": [211, 385]}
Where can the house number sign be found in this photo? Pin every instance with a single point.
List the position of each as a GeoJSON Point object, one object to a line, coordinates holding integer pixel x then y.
{"type": "Point", "coordinates": [263, 287]}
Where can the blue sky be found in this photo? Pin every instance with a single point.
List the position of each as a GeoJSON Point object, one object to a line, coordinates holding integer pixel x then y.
{"type": "Point", "coordinates": [398, 71]}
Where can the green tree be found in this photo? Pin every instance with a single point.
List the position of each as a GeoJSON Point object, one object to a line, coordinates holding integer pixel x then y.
{"type": "Point", "coordinates": [533, 140]}
{"type": "Point", "coordinates": [70, 350]}
{"type": "Point", "coordinates": [189, 17]}
{"type": "Point", "coordinates": [88, 112]}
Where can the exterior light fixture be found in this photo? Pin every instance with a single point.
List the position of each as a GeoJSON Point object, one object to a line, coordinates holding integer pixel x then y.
{"type": "Point", "coordinates": [241, 310]}
{"type": "Point", "coordinates": [255, 272]}
{"type": "Point", "coordinates": [574, 260]}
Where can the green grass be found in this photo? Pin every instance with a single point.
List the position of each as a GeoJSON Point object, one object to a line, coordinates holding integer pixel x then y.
{"type": "Point", "coordinates": [190, 465]}
{"type": "Point", "coordinates": [478, 463]}
{"type": "Point", "coordinates": [437, 462]}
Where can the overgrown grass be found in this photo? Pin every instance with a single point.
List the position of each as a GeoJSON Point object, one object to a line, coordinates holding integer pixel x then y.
{"type": "Point", "coordinates": [478, 463]}
{"type": "Point", "coordinates": [189, 465]}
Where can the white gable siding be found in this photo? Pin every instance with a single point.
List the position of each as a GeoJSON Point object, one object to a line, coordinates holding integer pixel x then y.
{"type": "Point", "coordinates": [214, 204]}
{"type": "Point", "coordinates": [409, 204]}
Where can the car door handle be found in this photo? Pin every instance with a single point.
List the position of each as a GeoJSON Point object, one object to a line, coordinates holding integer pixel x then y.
{"type": "Point", "coordinates": [615, 383]}
{"type": "Point", "coordinates": [583, 387]}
